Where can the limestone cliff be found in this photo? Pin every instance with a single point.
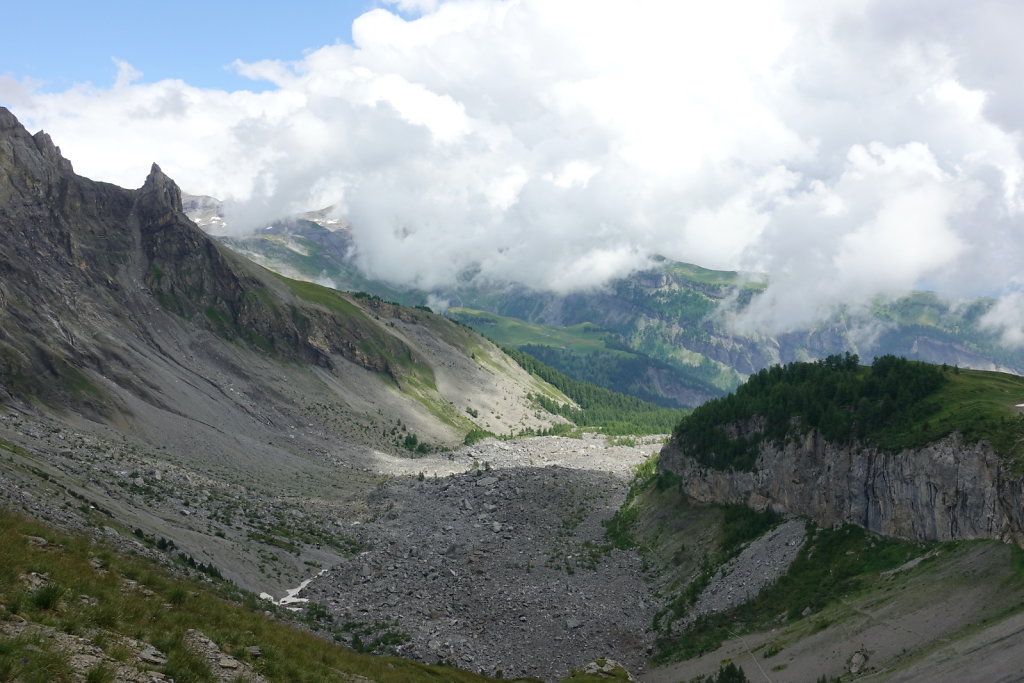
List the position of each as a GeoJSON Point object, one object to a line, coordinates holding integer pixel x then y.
{"type": "Point", "coordinates": [947, 490]}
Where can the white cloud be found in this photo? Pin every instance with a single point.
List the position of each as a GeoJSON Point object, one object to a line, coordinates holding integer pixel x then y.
{"type": "Point", "coordinates": [850, 150]}
{"type": "Point", "coordinates": [419, 6]}
{"type": "Point", "coordinates": [1006, 318]}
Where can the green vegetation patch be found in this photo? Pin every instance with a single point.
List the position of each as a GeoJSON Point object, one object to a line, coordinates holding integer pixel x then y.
{"type": "Point", "coordinates": [589, 353]}
{"type": "Point", "coordinates": [832, 563]}
{"type": "Point", "coordinates": [324, 296]}
{"type": "Point", "coordinates": [894, 404]}
{"type": "Point", "coordinates": [160, 615]}
{"type": "Point", "coordinates": [980, 405]}
{"type": "Point", "coordinates": [719, 278]}
{"type": "Point", "coordinates": [599, 408]}
{"type": "Point", "coordinates": [584, 337]}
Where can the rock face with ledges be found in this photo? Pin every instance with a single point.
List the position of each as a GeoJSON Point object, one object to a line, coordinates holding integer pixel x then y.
{"type": "Point", "coordinates": [949, 490]}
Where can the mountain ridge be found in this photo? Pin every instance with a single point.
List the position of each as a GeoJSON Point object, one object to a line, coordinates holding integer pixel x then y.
{"type": "Point", "coordinates": [124, 324]}
{"type": "Point", "coordinates": [164, 393]}
{"type": "Point", "coordinates": [668, 316]}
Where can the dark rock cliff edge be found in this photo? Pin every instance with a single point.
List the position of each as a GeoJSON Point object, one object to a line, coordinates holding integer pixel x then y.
{"type": "Point", "coordinates": [948, 490]}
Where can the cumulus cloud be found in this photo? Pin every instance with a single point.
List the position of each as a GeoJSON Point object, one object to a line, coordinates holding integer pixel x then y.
{"type": "Point", "coordinates": [1006, 318]}
{"type": "Point", "coordinates": [848, 150]}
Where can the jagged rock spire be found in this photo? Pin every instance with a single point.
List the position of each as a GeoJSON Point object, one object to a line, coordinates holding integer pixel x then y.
{"type": "Point", "coordinates": [8, 120]}
{"type": "Point", "coordinates": [30, 165]}
{"type": "Point", "coordinates": [159, 195]}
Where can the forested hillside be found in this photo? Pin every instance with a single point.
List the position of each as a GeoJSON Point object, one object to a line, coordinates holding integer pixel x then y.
{"type": "Point", "coordinates": [895, 403]}
{"type": "Point", "coordinates": [611, 412]}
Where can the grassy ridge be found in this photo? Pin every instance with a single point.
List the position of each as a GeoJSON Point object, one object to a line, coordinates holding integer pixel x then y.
{"type": "Point", "coordinates": [982, 406]}
{"type": "Point", "coordinates": [894, 404]}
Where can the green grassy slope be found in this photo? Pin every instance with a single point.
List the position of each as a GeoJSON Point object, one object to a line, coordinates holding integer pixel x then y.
{"type": "Point", "coordinates": [597, 407]}
{"type": "Point", "coordinates": [582, 338]}
{"type": "Point", "coordinates": [589, 353]}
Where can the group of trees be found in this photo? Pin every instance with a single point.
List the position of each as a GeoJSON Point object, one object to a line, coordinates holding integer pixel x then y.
{"type": "Point", "coordinates": [837, 396]}
{"type": "Point", "coordinates": [600, 408]}
{"type": "Point", "coordinates": [626, 374]}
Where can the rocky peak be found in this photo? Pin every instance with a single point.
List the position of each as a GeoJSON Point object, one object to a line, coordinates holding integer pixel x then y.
{"type": "Point", "coordinates": [8, 121]}
{"type": "Point", "coordinates": [26, 149]}
{"type": "Point", "coordinates": [51, 152]}
{"type": "Point", "coordinates": [30, 166]}
{"type": "Point", "coordinates": [159, 196]}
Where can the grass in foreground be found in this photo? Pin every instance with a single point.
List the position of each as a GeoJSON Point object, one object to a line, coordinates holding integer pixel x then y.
{"type": "Point", "coordinates": [159, 612]}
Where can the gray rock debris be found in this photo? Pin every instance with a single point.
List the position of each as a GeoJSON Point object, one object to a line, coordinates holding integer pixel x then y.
{"type": "Point", "coordinates": [502, 570]}
{"type": "Point", "coordinates": [224, 666]}
{"type": "Point", "coordinates": [758, 566]}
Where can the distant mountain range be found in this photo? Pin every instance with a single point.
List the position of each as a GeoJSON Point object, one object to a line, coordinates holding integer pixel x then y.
{"type": "Point", "coordinates": [656, 334]}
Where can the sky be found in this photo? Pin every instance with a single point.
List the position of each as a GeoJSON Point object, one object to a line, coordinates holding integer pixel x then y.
{"type": "Point", "coordinates": [850, 150]}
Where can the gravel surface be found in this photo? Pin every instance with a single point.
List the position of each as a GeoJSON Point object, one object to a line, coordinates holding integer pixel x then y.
{"type": "Point", "coordinates": [758, 566]}
{"type": "Point", "coordinates": [500, 567]}
{"type": "Point", "coordinates": [493, 561]}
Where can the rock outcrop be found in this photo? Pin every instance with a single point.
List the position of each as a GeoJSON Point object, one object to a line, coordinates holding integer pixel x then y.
{"type": "Point", "coordinates": [85, 264]}
{"type": "Point", "coordinates": [948, 490]}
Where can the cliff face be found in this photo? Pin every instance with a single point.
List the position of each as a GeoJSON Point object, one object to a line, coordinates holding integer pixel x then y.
{"type": "Point", "coordinates": [948, 490]}
{"type": "Point", "coordinates": [83, 261]}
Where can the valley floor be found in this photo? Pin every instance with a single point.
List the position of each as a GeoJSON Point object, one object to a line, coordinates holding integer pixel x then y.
{"type": "Point", "coordinates": [495, 560]}
{"type": "Point", "coordinates": [491, 557]}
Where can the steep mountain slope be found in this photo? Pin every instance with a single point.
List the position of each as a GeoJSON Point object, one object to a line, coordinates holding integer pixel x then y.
{"type": "Point", "coordinates": [91, 271]}
{"type": "Point", "coordinates": [161, 392]}
{"type": "Point", "coordinates": [666, 319]}
{"type": "Point", "coordinates": [129, 336]}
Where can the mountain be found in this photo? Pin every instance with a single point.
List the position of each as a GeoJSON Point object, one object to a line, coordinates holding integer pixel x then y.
{"type": "Point", "coordinates": [105, 289]}
{"type": "Point", "coordinates": [164, 397]}
{"type": "Point", "coordinates": [658, 334]}
{"type": "Point", "coordinates": [328, 452]}
{"type": "Point", "coordinates": [124, 324]}
{"type": "Point", "coordinates": [869, 521]}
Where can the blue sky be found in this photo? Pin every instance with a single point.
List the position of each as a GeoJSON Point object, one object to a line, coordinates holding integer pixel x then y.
{"type": "Point", "coordinates": [64, 43]}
